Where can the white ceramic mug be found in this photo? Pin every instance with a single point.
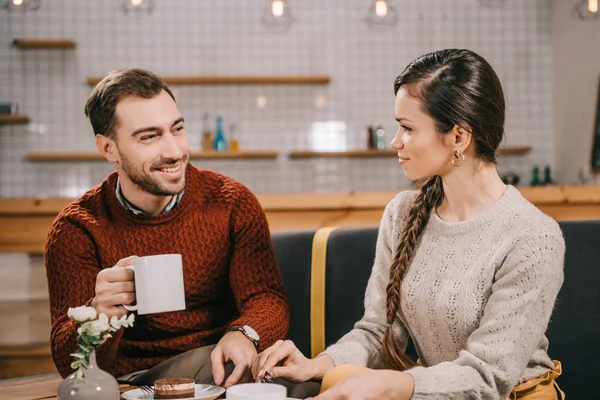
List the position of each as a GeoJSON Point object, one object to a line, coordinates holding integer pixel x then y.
{"type": "Point", "coordinates": [257, 391]}
{"type": "Point", "coordinates": [158, 284]}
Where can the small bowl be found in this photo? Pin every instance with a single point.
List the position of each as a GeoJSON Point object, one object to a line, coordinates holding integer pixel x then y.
{"type": "Point", "coordinates": [257, 391]}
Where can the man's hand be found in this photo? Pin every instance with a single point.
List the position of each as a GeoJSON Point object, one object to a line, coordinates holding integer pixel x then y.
{"type": "Point", "coordinates": [237, 348]}
{"type": "Point", "coordinates": [115, 287]}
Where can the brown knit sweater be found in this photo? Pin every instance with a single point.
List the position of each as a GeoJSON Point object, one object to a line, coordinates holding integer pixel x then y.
{"type": "Point", "coordinates": [230, 273]}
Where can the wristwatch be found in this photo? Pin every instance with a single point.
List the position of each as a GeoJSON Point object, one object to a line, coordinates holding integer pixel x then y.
{"type": "Point", "coordinates": [249, 333]}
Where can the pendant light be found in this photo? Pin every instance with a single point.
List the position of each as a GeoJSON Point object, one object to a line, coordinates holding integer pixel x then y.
{"type": "Point", "coordinates": [137, 6]}
{"type": "Point", "coordinates": [586, 10]}
{"type": "Point", "coordinates": [20, 5]}
{"type": "Point", "coordinates": [277, 16]}
{"type": "Point", "coordinates": [381, 13]}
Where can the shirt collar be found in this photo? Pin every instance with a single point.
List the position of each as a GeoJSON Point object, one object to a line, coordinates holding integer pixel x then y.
{"type": "Point", "coordinates": [135, 210]}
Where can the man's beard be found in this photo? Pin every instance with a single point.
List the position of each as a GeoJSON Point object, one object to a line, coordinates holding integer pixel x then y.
{"type": "Point", "coordinates": [147, 183]}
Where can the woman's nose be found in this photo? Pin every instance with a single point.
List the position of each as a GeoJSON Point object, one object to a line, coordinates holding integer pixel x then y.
{"type": "Point", "coordinates": [396, 142]}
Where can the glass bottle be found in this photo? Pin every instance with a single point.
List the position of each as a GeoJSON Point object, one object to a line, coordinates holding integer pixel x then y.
{"type": "Point", "coordinates": [535, 176]}
{"type": "Point", "coordinates": [370, 137]}
{"type": "Point", "coordinates": [380, 138]}
{"type": "Point", "coordinates": [234, 145]}
{"type": "Point", "coordinates": [219, 143]}
{"type": "Point", "coordinates": [547, 176]}
{"type": "Point", "coordinates": [206, 133]}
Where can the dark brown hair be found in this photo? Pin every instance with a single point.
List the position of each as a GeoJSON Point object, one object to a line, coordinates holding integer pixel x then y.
{"type": "Point", "coordinates": [102, 103]}
{"type": "Point", "coordinates": [454, 87]}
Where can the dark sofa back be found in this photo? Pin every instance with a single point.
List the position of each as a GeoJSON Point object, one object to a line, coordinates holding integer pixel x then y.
{"type": "Point", "coordinates": [574, 330]}
{"type": "Point", "coordinates": [350, 256]}
{"type": "Point", "coordinates": [293, 253]}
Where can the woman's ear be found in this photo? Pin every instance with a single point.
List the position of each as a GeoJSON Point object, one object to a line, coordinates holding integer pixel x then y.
{"type": "Point", "coordinates": [108, 148]}
{"type": "Point", "coordinates": [461, 138]}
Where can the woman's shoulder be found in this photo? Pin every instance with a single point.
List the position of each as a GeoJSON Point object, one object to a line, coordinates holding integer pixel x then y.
{"type": "Point", "coordinates": [531, 222]}
{"type": "Point", "coordinates": [397, 210]}
{"type": "Point", "coordinates": [401, 203]}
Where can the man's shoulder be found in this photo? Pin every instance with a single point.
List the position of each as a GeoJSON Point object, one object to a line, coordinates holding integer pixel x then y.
{"type": "Point", "coordinates": [87, 207]}
{"type": "Point", "coordinates": [219, 187]}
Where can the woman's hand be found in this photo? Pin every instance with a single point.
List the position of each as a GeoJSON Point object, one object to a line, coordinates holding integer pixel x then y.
{"type": "Point", "coordinates": [372, 385]}
{"type": "Point", "coordinates": [284, 360]}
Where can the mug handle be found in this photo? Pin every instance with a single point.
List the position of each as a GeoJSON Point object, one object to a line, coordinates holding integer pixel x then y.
{"type": "Point", "coordinates": [129, 307]}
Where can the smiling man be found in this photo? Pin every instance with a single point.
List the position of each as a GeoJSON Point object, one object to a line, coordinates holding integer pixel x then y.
{"type": "Point", "coordinates": [157, 203]}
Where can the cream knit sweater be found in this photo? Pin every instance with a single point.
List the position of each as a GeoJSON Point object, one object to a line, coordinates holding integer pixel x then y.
{"type": "Point", "coordinates": [476, 299]}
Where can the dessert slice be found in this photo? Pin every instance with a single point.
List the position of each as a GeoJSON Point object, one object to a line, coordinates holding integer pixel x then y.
{"type": "Point", "coordinates": [174, 388]}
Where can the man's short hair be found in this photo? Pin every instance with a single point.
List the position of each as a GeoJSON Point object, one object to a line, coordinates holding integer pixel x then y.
{"type": "Point", "coordinates": [102, 103]}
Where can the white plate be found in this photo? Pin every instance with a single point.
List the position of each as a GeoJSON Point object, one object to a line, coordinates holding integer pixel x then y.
{"type": "Point", "coordinates": [203, 392]}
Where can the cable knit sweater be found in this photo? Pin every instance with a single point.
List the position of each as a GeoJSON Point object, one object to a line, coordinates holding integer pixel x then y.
{"type": "Point", "coordinates": [230, 273]}
{"type": "Point", "coordinates": [476, 299]}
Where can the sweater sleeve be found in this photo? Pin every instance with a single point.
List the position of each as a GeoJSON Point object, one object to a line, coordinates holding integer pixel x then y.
{"type": "Point", "coordinates": [253, 273]}
{"type": "Point", "coordinates": [362, 345]}
{"type": "Point", "coordinates": [512, 328]}
{"type": "Point", "coordinates": [71, 268]}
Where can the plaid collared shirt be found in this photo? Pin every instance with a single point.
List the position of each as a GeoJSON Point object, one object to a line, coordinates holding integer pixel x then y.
{"type": "Point", "coordinates": [133, 209]}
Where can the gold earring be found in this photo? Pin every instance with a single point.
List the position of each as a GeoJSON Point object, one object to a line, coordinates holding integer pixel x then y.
{"type": "Point", "coordinates": [458, 158]}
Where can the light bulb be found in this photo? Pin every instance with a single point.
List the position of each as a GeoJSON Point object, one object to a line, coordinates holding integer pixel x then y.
{"type": "Point", "coordinates": [261, 101]}
{"type": "Point", "coordinates": [277, 8]}
{"type": "Point", "coordinates": [136, 3]}
{"type": "Point", "coordinates": [381, 8]}
{"type": "Point", "coordinates": [593, 6]}
{"type": "Point", "coordinates": [17, 3]}
{"type": "Point", "coordinates": [320, 101]}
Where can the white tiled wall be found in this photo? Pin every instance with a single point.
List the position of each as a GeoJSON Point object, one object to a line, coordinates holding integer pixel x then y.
{"type": "Point", "coordinates": [194, 37]}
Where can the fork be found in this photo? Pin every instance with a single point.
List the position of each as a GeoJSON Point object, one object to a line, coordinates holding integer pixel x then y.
{"type": "Point", "coordinates": [146, 389]}
{"type": "Point", "coordinates": [266, 378]}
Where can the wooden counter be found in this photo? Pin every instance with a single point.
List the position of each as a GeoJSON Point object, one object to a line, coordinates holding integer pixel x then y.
{"type": "Point", "coordinates": [25, 222]}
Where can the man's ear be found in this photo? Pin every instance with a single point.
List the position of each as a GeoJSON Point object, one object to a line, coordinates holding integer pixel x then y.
{"type": "Point", "coordinates": [108, 148]}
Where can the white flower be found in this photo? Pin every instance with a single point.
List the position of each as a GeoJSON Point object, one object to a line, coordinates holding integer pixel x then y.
{"type": "Point", "coordinates": [92, 333]}
{"type": "Point", "coordinates": [114, 322]}
{"type": "Point", "coordinates": [84, 329]}
{"type": "Point", "coordinates": [82, 314]}
{"type": "Point", "coordinates": [99, 326]}
{"type": "Point", "coordinates": [125, 322]}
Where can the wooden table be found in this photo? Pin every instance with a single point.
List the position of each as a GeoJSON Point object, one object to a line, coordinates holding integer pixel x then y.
{"type": "Point", "coordinates": [36, 388]}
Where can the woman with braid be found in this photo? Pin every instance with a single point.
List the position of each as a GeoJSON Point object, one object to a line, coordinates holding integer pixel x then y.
{"type": "Point", "coordinates": [464, 265]}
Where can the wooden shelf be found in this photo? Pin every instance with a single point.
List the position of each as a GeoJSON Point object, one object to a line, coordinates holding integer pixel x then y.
{"type": "Point", "coordinates": [241, 154]}
{"type": "Point", "coordinates": [383, 153]}
{"type": "Point", "coordinates": [246, 154]}
{"type": "Point", "coordinates": [348, 153]}
{"type": "Point", "coordinates": [6, 119]}
{"type": "Point", "coordinates": [513, 150]}
{"type": "Point", "coordinates": [237, 80]}
{"type": "Point", "coordinates": [44, 43]}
